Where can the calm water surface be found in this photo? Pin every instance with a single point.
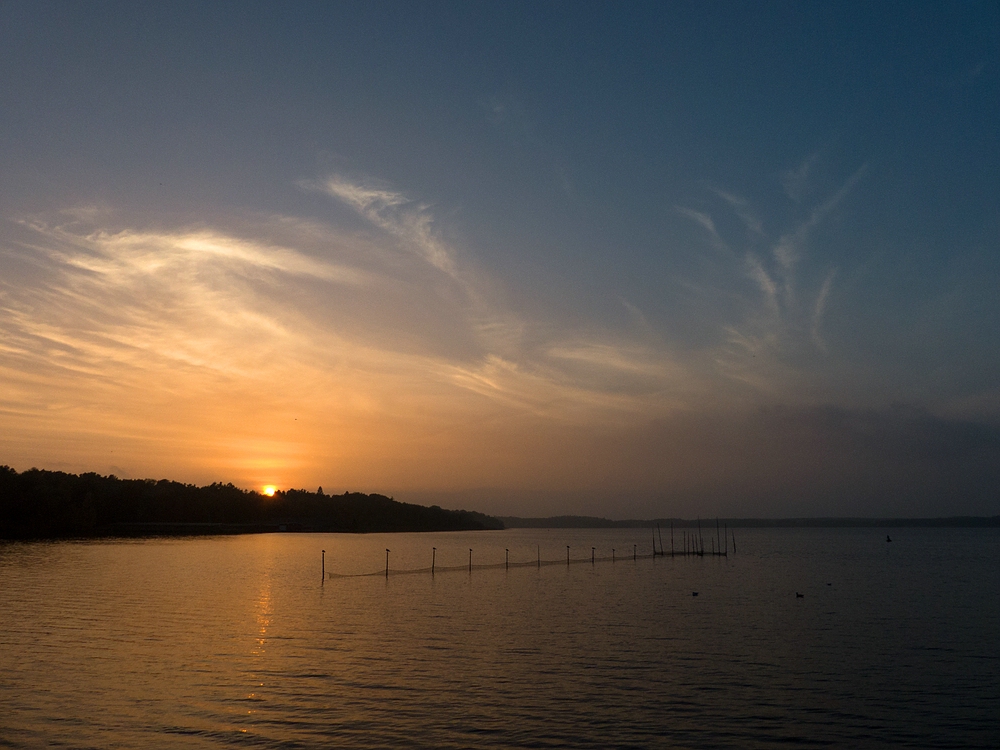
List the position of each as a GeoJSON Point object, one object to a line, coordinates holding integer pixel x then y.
{"type": "Point", "coordinates": [237, 641]}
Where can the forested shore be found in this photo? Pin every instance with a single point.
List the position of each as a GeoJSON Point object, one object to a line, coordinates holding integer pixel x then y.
{"type": "Point", "coordinates": [40, 504]}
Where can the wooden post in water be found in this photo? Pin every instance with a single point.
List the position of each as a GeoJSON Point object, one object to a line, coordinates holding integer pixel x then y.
{"type": "Point", "coordinates": [506, 559]}
{"type": "Point", "coordinates": [387, 563]}
{"type": "Point", "coordinates": [538, 552]}
{"type": "Point", "coordinates": [593, 552]}
{"type": "Point", "coordinates": [660, 534]}
{"type": "Point", "coordinates": [725, 535]}
{"type": "Point", "coordinates": [567, 555]}
{"type": "Point", "coordinates": [434, 554]}
{"type": "Point", "coordinates": [654, 540]}
{"type": "Point", "coordinates": [612, 555]}
{"type": "Point", "coordinates": [470, 559]}
{"type": "Point", "coordinates": [717, 534]}
{"type": "Point", "coordinates": [701, 540]}
{"type": "Point", "coordinates": [634, 546]}
{"type": "Point", "coordinates": [734, 542]}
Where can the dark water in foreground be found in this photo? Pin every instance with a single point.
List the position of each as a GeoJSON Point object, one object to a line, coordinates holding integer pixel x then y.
{"type": "Point", "coordinates": [236, 642]}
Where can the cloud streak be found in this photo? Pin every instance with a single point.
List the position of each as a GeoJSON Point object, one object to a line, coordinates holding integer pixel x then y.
{"type": "Point", "coordinates": [408, 220]}
{"type": "Point", "coordinates": [741, 207]}
{"type": "Point", "coordinates": [820, 308]}
{"type": "Point", "coordinates": [705, 221]}
{"type": "Point", "coordinates": [766, 343]}
{"type": "Point", "coordinates": [138, 346]}
{"type": "Point", "coordinates": [274, 349]}
{"type": "Point", "coordinates": [789, 248]}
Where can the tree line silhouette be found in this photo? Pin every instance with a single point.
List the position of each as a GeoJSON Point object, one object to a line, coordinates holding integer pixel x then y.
{"type": "Point", "coordinates": [53, 504]}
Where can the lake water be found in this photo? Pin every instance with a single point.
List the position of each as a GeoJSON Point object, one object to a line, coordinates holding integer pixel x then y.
{"type": "Point", "coordinates": [237, 641]}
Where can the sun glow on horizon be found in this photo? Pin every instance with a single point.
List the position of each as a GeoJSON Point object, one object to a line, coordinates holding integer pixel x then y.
{"type": "Point", "coordinates": [269, 490]}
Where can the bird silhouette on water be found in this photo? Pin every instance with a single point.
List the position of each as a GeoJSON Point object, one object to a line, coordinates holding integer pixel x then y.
{"type": "Point", "coordinates": [888, 538]}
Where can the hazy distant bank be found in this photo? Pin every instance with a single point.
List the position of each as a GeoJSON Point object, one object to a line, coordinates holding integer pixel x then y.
{"type": "Point", "coordinates": [593, 522]}
{"type": "Point", "coordinates": [53, 504]}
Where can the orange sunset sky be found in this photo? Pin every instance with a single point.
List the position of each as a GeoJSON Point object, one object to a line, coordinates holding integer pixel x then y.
{"type": "Point", "coordinates": [622, 263]}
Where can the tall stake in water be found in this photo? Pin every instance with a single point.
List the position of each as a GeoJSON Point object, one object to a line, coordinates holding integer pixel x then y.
{"type": "Point", "coordinates": [567, 554]}
{"type": "Point", "coordinates": [506, 559]}
{"type": "Point", "coordinates": [434, 554]}
{"type": "Point", "coordinates": [593, 551]}
{"type": "Point", "coordinates": [387, 563]}
{"type": "Point", "coordinates": [323, 558]}
{"type": "Point", "coordinates": [470, 559]}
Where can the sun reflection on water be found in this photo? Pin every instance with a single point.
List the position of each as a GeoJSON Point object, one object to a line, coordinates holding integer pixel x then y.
{"type": "Point", "coordinates": [263, 611]}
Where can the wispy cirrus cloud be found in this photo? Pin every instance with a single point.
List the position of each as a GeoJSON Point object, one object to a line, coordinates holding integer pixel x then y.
{"type": "Point", "coordinates": [283, 350]}
{"type": "Point", "coordinates": [411, 223]}
{"type": "Point", "coordinates": [790, 246]}
{"type": "Point", "coordinates": [406, 219]}
{"type": "Point", "coordinates": [219, 301]}
{"type": "Point", "coordinates": [742, 208]}
{"type": "Point", "coordinates": [704, 220]}
{"type": "Point", "coordinates": [261, 352]}
{"type": "Point", "coordinates": [797, 181]}
{"type": "Point", "coordinates": [771, 308]}
{"type": "Point", "coordinates": [767, 285]}
{"type": "Point", "coordinates": [111, 254]}
{"type": "Point", "coordinates": [820, 307]}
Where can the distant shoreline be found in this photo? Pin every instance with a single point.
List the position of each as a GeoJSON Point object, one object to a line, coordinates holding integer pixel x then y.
{"type": "Point", "coordinates": [593, 522]}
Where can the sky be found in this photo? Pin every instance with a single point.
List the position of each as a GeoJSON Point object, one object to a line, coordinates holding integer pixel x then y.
{"type": "Point", "coordinates": [618, 259]}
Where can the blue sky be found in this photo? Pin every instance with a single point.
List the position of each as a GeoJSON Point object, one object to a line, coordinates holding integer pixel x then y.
{"type": "Point", "coordinates": [532, 258]}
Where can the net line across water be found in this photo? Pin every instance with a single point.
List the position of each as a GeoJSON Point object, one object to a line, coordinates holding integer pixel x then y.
{"type": "Point", "coordinates": [537, 563]}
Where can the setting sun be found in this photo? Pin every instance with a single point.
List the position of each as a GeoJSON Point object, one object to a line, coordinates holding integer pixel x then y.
{"type": "Point", "coordinates": [269, 490]}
